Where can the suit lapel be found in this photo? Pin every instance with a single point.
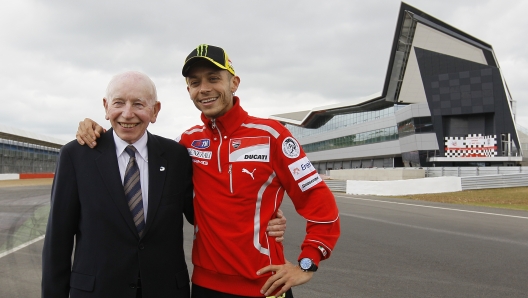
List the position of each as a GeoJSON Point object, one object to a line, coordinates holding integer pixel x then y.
{"type": "Point", "coordinates": [109, 170]}
{"type": "Point", "coordinates": [157, 173]}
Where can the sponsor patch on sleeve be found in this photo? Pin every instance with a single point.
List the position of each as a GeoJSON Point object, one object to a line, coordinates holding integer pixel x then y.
{"type": "Point", "coordinates": [249, 149]}
{"type": "Point", "coordinates": [199, 153]}
{"type": "Point", "coordinates": [310, 182]}
{"type": "Point", "coordinates": [291, 148]}
{"type": "Point", "coordinates": [323, 250]}
{"type": "Point", "coordinates": [301, 168]}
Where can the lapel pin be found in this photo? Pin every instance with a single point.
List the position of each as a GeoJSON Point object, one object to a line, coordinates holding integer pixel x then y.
{"type": "Point", "coordinates": [162, 169]}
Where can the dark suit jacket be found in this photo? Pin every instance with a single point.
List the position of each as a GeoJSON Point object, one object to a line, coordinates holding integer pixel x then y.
{"type": "Point", "coordinates": [88, 205]}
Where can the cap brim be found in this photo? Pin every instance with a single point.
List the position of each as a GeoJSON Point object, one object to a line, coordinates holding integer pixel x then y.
{"type": "Point", "coordinates": [189, 63]}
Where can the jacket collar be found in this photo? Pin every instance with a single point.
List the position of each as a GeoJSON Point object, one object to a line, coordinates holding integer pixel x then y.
{"type": "Point", "coordinates": [230, 121]}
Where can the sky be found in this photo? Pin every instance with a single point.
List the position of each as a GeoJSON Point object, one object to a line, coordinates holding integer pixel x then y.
{"type": "Point", "coordinates": [57, 57]}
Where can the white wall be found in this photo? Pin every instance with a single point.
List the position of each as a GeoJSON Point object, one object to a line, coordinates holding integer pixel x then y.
{"type": "Point", "coordinates": [404, 187]}
{"type": "Point", "coordinates": [9, 176]}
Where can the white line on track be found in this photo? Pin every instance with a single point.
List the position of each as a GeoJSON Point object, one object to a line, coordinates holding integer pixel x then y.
{"type": "Point", "coordinates": [434, 207]}
{"type": "Point", "coordinates": [443, 231]}
{"type": "Point", "coordinates": [12, 250]}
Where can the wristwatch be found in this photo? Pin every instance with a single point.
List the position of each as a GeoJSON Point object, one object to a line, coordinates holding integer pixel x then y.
{"type": "Point", "coordinates": [307, 265]}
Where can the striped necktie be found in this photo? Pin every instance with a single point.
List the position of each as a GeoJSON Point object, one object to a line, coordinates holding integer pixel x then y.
{"type": "Point", "coordinates": [132, 185]}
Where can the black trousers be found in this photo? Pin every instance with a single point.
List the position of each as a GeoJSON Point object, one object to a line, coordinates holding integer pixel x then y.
{"type": "Point", "coordinates": [201, 292]}
{"type": "Point", "coordinates": [185, 292]}
{"type": "Point", "coordinates": [138, 284]}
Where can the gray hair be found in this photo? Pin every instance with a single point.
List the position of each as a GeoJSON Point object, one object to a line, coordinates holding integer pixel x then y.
{"type": "Point", "coordinates": [135, 75]}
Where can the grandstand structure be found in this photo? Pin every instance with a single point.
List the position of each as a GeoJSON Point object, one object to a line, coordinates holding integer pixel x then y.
{"type": "Point", "coordinates": [27, 152]}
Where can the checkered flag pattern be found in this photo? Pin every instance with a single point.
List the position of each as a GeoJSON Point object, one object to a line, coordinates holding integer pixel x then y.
{"type": "Point", "coordinates": [474, 145]}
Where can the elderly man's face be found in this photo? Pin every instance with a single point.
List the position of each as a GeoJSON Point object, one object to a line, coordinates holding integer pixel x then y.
{"type": "Point", "coordinates": [211, 89]}
{"type": "Point", "coordinates": [130, 107]}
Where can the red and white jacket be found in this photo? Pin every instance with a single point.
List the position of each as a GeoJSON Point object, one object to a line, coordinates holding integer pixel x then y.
{"type": "Point", "coordinates": [242, 165]}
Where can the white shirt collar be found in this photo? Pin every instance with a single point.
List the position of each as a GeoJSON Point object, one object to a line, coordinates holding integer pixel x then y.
{"type": "Point", "coordinates": [140, 145]}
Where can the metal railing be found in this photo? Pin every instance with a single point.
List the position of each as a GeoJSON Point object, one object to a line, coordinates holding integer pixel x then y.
{"type": "Point", "coordinates": [494, 181]}
{"type": "Point", "coordinates": [473, 171]}
{"type": "Point", "coordinates": [483, 177]}
{"type": "Point", "coordinates": [336, 185]}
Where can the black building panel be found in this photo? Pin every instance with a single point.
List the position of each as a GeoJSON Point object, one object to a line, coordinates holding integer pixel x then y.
{"type": "Point", "coordinates": [470, 93]}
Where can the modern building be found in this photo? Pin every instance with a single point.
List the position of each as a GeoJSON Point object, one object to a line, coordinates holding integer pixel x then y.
{"type": "Point", "coordinates": [26, 152]}
{"type": "Point", "coordinates": [444, 103]}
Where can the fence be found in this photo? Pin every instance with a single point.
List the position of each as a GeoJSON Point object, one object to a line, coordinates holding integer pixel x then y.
{"type": "Point", "coordinates": [470, 177]}
{"type": "Point", "coordinates": [483, 177]}
{"type": "Point", "coordinates": [473, 171]}
{"type": "Point", "coordinates": [19, 157]}
{"type": "Point", "coordinates": [336, 185]}
{"type": "Point", "coordinates": [494, 181]}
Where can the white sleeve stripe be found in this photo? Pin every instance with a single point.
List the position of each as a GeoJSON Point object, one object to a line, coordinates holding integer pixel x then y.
{"type": "Point", "coordinates": [262, 127]}
{"type": "Point", "coordinates": [317, 241]}
{"type": "Point", "coordinates": [256, 218]}
{"type": "Point", "coordinates": [189, 132]}
{"type": "Point", "coordinates": [322, 222]}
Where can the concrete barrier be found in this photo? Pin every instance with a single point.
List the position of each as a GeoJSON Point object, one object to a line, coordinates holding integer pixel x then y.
{"type": "Point", "coordinates": [26, 176]}
{"type": "Point", "coordinates": [9, 176]}
{"type": "Point", "coordinates": [36, 175]}
{"type": "Point", "coordinates": [404, 187]}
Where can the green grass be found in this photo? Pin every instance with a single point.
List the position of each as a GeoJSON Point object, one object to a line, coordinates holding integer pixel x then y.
{"type": "Point", "coordinates": [508, 198]}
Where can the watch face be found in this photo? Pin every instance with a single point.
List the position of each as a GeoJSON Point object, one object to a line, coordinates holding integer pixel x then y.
{"type": "Point", "coordinates": [305, 263]}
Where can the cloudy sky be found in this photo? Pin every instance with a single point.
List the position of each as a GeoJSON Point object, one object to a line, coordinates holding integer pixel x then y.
{"type": "Point", "coordinates": [56, 57]}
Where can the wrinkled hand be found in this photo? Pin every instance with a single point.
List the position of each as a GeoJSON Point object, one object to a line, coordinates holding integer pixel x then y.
{"type": "Point", "coordinates": [277, 226]}
{"type": "Point", "coordinates": [287, 276]}
{"type": "Point", "coordinates": [88, 132]}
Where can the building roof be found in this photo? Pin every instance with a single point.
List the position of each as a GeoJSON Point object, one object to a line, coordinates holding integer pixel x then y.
{"type": "Point", "coordinates": [408, 18]}
{"type": "Point", "coordinates": [317, 116]}
{"type": "Point", "coordinates": [19, 135]}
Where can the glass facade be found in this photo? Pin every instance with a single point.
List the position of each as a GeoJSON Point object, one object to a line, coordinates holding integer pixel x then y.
{"type": "Point", "coordinates": [415, 125]}
{"type": "Point", "coordinates": [368, 137]}
{"type": "Point", "coordinates": [19, 157]}
{"type": "Point", "coordinates": [342, 121]}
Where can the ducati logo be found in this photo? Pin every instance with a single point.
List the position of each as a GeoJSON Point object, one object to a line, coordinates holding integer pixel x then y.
{"type": "Point", "coordinates": [236, 143]}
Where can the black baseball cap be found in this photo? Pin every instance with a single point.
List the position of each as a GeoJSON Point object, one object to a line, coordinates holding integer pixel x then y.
{"type": "Point", "coordinates": [213, 54]}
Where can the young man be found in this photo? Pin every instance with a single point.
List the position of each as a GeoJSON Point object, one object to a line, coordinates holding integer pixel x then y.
{"type": "Point", "coordinates": [248, 163]}
{"type": "Point", "coordinates": [242, 166]}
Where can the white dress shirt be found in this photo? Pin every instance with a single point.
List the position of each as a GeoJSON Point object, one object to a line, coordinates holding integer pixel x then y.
{"type": "Point", "coordinates": [142, 162]}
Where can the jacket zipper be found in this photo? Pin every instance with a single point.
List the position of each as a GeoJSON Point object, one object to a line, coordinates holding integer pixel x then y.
{"type": "Point", "coordinates": [231, 178]}
{"type": "Point", "coordinates": [213, 126]}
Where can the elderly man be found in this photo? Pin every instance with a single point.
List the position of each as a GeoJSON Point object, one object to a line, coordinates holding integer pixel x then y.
{"type": "Point", "coordinates": [122, 205]}
{"type": "Point", "coordinates": [247, 164]}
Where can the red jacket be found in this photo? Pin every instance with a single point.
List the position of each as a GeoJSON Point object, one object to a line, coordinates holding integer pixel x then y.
{"type": "Point", "coordinates": [242, 165]}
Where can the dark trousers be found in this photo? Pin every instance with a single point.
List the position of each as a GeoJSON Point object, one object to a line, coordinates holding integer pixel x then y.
{"type": "Point", "coordinates": [201, 292]}
{"type": "Point", "coordinates": [180, 293]}
{"type": "Point", "coordinates": [138, 285]}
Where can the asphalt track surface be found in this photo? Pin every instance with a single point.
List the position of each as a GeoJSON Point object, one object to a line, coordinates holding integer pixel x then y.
{"type": "Point", "coordinates": [388, 248]}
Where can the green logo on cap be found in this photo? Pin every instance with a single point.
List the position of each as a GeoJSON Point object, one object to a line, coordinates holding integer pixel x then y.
{"type": "Point", "coordinates": [201, 50]}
